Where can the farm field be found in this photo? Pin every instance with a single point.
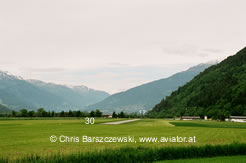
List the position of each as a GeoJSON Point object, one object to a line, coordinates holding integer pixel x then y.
{"type": "Point", "coordinates": [20, 137]}
{"type": "Point", "coordinates": [227, 159]}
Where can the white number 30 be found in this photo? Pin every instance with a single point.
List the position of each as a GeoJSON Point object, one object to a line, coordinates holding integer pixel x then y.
{"type": "Point", "coordinates": [89, 121]}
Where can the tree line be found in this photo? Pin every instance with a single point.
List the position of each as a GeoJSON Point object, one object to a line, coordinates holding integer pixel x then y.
{"type": "Point", "coordinates": [43, 113]}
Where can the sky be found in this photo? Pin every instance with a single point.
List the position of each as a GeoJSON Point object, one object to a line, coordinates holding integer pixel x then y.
{"type": "Point", "coordinates": [114, 45]}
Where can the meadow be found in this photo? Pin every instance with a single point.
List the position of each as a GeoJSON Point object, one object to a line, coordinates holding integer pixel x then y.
{"type": "Point", "coordinates": [20, 138]}
{"type": "Point", "coordinates": [227, 159]}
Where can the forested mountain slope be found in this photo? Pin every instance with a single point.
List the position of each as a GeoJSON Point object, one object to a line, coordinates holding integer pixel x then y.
{"type": "Point", "coordinates": [218, 92]}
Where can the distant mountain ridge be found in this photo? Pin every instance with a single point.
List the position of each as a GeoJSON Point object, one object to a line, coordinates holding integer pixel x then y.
{"type": "Point", "coordinates": [218, 92]}
{"type": "Point", "coordinates": [146, 96]}
{"type": "Point", "coordinates": [4, 109]}
{"type": "Point", "coordinates": [17, 93]}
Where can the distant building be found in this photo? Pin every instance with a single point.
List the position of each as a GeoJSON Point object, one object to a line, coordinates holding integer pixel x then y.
{"type": "Point", "coordinates": [190, 118]}
{"type": "Point", "coordinates": [237, 118]}
{"type": "Point", "coordinates": [205, 118]}
{"type": "Point", "coordinates": [107, 116]}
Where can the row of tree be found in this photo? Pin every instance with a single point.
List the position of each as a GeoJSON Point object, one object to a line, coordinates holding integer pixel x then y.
{"type": "Point", "coordinates": [43, 113]}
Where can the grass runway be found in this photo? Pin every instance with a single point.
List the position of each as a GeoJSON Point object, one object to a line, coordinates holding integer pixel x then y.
{"type": "Point", "coordinates": [20, 137]}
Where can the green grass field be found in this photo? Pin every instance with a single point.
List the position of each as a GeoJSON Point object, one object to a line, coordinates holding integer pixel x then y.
{"type": "Point", "coordinates": [227, 159]}
{"type": "Point", "coordinates": [211, 124]}
{"type": "Point", "coordinates": [20, 137]}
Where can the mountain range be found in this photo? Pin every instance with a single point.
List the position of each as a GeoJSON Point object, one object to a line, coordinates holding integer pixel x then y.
{"type": "Point", "coordinates": [146, 96]}
{"type": "Point", "coordinates": [4, 109]}
{"type": "Point", "coordinates": [218, 92]}
{"type": "Point", "coordinates": [17, 93]}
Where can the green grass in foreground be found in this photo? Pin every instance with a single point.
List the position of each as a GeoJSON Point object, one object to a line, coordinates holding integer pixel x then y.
{"type": "Point", "coordinates": [19, 138]}
{"type": "Point", "coordinates": [132, 155]}
{"type": "Point", "coordinates": [209, 124]}
{"type": "Point", "coordinates": [225, 159]}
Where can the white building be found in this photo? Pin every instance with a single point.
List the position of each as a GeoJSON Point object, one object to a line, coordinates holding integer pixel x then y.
{"type": "Point", "coordinates": [205, 118]}
{"type": "Point", "coordinates": [190, 118]}
{"type": "Point", "coordinates": [237, 118]}
{"type": "Point", "coordinates": [107, 116]}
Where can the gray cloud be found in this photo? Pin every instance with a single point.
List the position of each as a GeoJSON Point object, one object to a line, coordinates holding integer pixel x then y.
{"type": "Point", "coordinates": [211, 50]}
{"type": "Point", "coordinates": [44, 70]}
{"type": "Point", "coordinates": [114, 78]}
{"type": "Point", "coordinates": [181, 50]}
{"type": "Point", "coordinates": [40, 37]}
{"type": "Point", "coordinates": [191, 50]}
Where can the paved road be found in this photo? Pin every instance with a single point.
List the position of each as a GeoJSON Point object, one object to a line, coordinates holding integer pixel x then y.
{"type": "Point", "coordinates": [120, 122]}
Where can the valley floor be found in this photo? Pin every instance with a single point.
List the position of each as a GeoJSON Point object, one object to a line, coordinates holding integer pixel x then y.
{"type": "Point", "coordinates": [226, 159]}
{"type": "Point", "coordinates": [20, 137]}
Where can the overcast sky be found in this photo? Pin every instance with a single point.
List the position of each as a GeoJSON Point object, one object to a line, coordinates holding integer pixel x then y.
{"type": "Point", "coordinates": [114, 45]}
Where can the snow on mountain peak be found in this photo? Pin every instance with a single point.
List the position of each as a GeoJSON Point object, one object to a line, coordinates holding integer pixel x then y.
{"type": "Point", "coordinates": [5, 75]}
